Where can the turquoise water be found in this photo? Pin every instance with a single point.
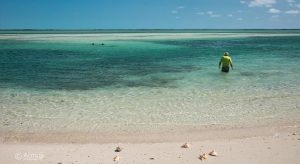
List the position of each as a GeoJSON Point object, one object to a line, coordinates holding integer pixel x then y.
{"type": "Point", "coordinates": [79, 83]}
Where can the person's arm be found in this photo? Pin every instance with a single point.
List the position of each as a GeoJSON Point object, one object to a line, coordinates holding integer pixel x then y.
{"type": "Point", "coordinates": [230, 62]}
{"type": "Point", "coordinates": [219, 64]}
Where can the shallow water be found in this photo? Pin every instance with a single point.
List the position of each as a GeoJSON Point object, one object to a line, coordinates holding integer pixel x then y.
{"type": "Point", "coordinates": [72, 84]}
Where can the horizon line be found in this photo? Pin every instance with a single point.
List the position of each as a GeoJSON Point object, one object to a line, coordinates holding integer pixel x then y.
{"type": "Point", "coordinates": [70, 29]}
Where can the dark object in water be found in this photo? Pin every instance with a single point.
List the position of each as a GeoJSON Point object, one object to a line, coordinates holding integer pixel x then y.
{"type": "Point", "coordinates": [102, 44]}
{"type": "Point", "coordinates": [93, 43]}
{"type": "Point", "coordinates": [225, 69]}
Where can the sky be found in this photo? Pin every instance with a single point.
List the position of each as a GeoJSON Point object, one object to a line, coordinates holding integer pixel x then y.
{"type": "Point", "coordinates": [149, 14]}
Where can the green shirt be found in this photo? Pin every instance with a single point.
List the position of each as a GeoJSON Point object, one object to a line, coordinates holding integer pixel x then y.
{"type": "Point", "coordinates": [225, 60]}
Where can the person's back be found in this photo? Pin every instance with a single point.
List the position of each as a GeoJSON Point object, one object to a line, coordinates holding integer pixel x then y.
{"type": "Point", "coordinates": [226, 62]}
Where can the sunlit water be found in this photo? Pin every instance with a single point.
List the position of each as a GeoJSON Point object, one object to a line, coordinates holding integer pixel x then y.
{"type": "Point", "coordinates": [71, 84]}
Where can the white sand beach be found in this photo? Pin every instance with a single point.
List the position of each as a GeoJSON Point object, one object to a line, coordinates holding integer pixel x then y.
{"type": "Point", "coordinates": [249, 145]}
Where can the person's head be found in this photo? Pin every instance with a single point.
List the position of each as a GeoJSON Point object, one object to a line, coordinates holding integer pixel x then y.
{"type": "Point", "coordinates": [226, 53]}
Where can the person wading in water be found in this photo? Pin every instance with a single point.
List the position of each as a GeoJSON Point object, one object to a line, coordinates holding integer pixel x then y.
{"type": "Point", "coordinates": [226, 62]}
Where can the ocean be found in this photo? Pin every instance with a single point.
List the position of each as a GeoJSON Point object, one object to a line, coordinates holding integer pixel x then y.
{"type": "Point", "coordinates": [129, 79]}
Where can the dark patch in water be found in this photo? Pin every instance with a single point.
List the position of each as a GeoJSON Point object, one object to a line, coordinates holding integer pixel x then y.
{"type": "Point", "coordinates": [71, 70]}
{"type": "Point", "coordinates": [153, 81]}
{"type": "Point", "coordinates": [202, 43]}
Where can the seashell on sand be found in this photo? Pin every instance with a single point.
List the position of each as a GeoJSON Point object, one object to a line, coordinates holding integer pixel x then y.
{"type": "Point", "coordinates": [203, 157]}
{"type": "Point", "coordinates": [186, 145]}
{"type": "Point", "coordinates": [116, 158]}
{"type": "Point", "coordinates": [118, 149]}
{"type": "Point", "coordinates": [213, 153]}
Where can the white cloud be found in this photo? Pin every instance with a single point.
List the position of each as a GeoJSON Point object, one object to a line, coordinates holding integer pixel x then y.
{"type": "Point", "coordinates": [291, 1]}
{"type": "Point", "coordinates": [261, 3]}
{"type": "Point", "coordinates": [174, 12]}
{"type": "Point", "coordinates": [215, 15]}
{"type": "Point", "coordinates": [230, 15]}
{"type": "Point", "coordinates": [243, 2]}
{"type": "Point", "coordinates": [239, 19]}
{"type": "Point", "coordinates": [274, 11]}
{"type": "Point", "coordinates": [275, 16]}
{"type": "Point", "coordinates": [298, 5]}
{"type": "Point", "coordinates": [177, 9]}
{"type": "Point", "coordinates": [212, 14]}
{"type": "Point", "coordinates": [200, 13]}
{"type": "Point", "coordinates": [292, 12]}
{"type": "Point", "coordinates": [209, 12]}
